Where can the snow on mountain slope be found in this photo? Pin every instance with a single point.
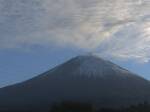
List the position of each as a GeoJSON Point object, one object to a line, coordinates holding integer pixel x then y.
{"type": "Point", "coordinates": [83, 78]}
{"type": "Point", "coordinates": [91, 66]}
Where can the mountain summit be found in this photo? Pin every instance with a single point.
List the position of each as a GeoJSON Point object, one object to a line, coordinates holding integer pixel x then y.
{"type": "Point", "coordinates": [84, 79]}
{"type": "Point", "coordinates": [90, 65]}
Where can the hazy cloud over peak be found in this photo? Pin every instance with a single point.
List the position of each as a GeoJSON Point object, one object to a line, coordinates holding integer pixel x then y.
{"type": "Point", "coordinates": [117, 28]}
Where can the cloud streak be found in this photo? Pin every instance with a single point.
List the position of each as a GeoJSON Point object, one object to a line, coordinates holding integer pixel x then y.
{"type": "Point", "coordinates": [119, 28]}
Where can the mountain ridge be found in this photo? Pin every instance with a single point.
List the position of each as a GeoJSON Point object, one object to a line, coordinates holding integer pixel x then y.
{"type": "Point", "coordinates": [76, 58]}
{"type": "Point", "coordinates": [83, 78]}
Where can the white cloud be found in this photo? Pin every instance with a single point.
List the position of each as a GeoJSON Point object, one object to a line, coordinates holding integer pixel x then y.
{"type": "Point", "coordinates": [117, 28]}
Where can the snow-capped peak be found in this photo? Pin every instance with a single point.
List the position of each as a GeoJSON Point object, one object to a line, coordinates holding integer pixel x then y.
{"type": "Point", "coordinates": [92, 65]}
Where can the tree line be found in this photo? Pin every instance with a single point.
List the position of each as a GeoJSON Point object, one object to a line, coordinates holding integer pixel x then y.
{"type": "Point", "coordinates": [86, 107]}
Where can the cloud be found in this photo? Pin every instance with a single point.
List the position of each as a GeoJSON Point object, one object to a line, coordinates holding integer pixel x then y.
{"type": "Point", "coordinates": [119, 28]}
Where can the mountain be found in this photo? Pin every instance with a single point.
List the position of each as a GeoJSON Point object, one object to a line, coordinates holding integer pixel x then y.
{"type": "Point", "coordinates": [83, 78]}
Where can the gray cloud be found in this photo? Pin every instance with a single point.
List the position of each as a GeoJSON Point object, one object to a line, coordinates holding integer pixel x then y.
{"type": "Point", "coordinates": [117, 28]}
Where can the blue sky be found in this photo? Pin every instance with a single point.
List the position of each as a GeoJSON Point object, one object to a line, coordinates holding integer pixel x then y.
{"type": "Point", "coordinates": [17, 66]}
{"type": "Point", "coordinates": [37, 35]}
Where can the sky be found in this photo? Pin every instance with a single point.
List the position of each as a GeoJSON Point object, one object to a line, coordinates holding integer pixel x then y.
{"type": "Point", "coordinates": [37, 35]}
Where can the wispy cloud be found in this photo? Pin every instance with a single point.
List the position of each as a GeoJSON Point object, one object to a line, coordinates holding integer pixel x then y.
{"type": "Point", "coordinates": [117, 28]}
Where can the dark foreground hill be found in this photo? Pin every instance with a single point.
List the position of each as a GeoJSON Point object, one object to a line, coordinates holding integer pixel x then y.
{"type": "Point", "coordinates": [82, 79]}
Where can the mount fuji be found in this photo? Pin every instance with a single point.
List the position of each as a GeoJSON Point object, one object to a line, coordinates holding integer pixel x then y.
{"type": "Point", "coordinates": [83, 79]}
